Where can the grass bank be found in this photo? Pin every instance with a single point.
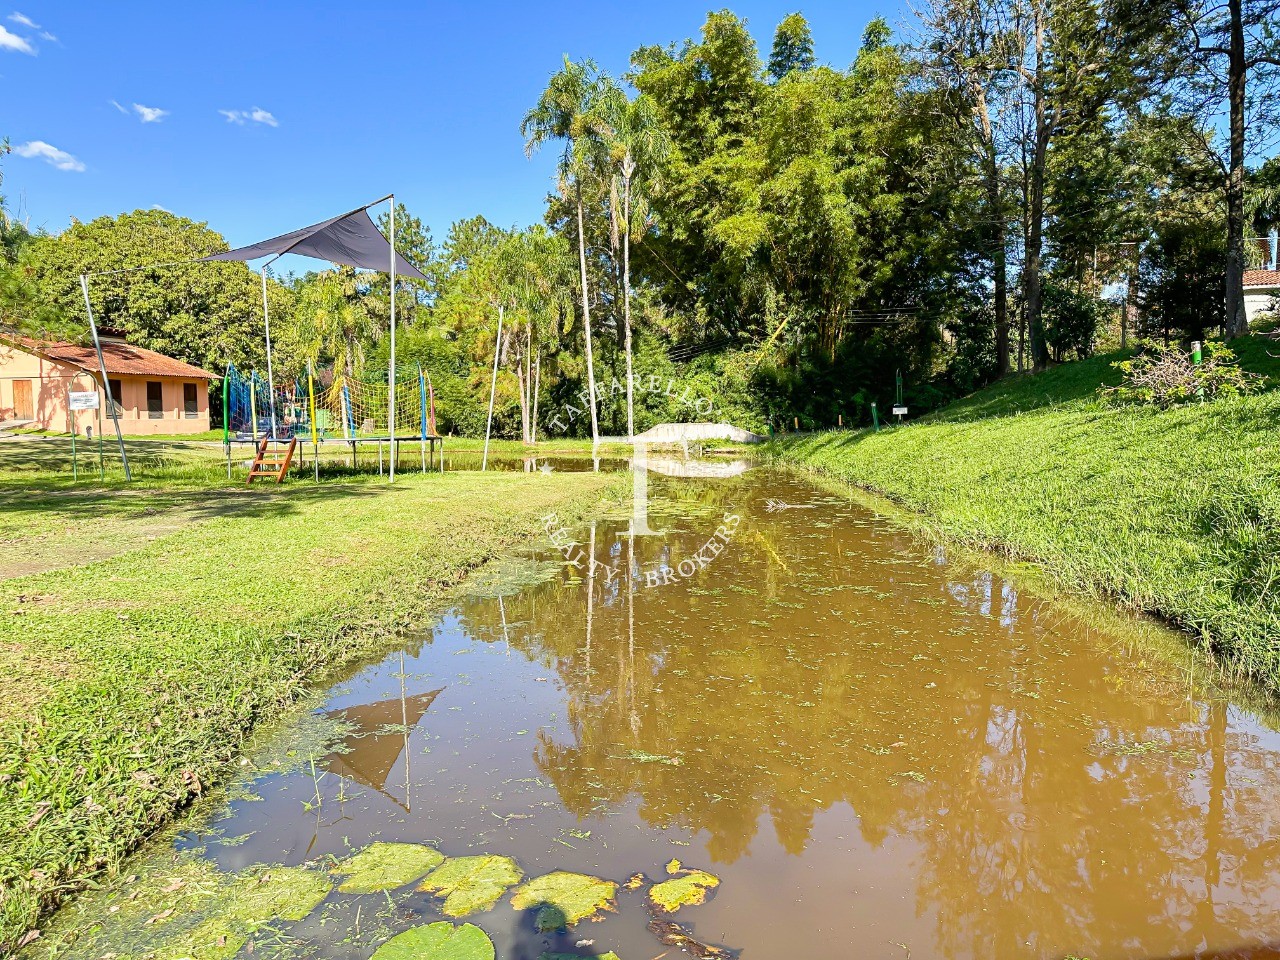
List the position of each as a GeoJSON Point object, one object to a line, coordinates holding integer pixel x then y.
{"type": "Point", "coordinates": [127, 684]}
{"type": "Point", "coordinates": [1174, 512]}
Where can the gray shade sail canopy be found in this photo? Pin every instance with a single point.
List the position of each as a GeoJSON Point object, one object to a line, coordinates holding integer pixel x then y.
{"type": "Point", "coordinates": [351, 240]}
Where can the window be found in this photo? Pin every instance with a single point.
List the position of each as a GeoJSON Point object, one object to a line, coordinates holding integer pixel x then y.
{"type": "Point", "coordinates": [155, 400]}
{"type": "Point", "coordinates": [117, 396]}
{"type": "Point", "coordinates": [190, 408]}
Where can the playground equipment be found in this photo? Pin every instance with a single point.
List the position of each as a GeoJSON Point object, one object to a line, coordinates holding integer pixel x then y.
{"type": "Point", "coordinates": [351, 239]}
{"type": "Point", "coordinates": [348, 410]}
{"type": "Point", "coordinates": [278, 468]}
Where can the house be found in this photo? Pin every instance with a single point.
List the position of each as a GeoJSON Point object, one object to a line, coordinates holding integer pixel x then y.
{"type": "Point", "coordinates": [1261, 293]}
{"type": "Point", "coordinates": [154, 394]}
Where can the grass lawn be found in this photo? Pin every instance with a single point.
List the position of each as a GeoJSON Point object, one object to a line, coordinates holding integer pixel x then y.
{"type": "Point", "coordinates": [167, 621]}
{"type": "Point", "coordinates": [186, 462]}
{"type": "Point", "coordinates": [1173, 512]}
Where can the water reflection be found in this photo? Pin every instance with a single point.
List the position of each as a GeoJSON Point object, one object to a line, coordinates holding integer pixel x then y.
{"type": "Point", "coordinates": [880, 752]}
{"type": "Point", "coordinates": [378, 743]}
{"type": "Point", "coordinates": [1056, 792]}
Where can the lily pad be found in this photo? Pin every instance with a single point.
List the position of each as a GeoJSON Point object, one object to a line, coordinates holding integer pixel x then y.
{"type": "Point", "coordinates": [472, 884]}
{"type": "Point", "coordinates": [385, 866]}
{"type": "Point", "coordinates": [686, 890]}
{"type": "Point", "coordinates": [563, 899]}
{"type": "Point", "coordinates": [438, 941]}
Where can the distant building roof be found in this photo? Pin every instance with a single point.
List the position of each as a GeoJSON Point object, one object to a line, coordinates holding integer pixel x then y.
{"type": "Point", "coordinates": [1262, 278]}
{"type": "Point", "coordinates": [118, 357]}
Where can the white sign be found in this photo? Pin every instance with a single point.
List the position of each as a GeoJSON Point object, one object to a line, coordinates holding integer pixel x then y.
{"type": "Point", "coordinates": [899, 411]}
{"type": "Point", "coordinates": [84, 400]}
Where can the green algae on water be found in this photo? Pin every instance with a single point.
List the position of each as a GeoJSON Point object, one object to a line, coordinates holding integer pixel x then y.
{"type": "Point", "coordinates": [686, 888]}
{"type": "Point", "coordinates": [192, 910]}
{"type": "Point", "coordinates": [510, 576]}
{"type": "Point", "coordinates": [438, 941]}
{"type": "Point", "coordinates": [472, 884]}
{"type": "Point", "coordinates": [563, 899]}
{"type": "Point", "coordinates": [385, 866]}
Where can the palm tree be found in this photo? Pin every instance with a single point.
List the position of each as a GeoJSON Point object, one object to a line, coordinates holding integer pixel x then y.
{"type": "Point", "coordinates": [568, 111]}
{"type": "Point", "coordinates": [332, 320]}
{"type": "Point", "coordinates": [637, 145]}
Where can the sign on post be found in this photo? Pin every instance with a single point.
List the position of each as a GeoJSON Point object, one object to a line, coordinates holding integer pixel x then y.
{"type": "Point", "coordinates": [899, 411]}
{"type": "Point", "coordinates": [83, 400]}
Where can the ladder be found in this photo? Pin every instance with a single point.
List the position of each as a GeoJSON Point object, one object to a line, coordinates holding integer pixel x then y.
{"type": "Point", "coordinates": [277, 467]}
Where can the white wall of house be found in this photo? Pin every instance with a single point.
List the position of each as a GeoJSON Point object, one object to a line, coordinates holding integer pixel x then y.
{"type": "Point", "coordinates": [1259, 300]}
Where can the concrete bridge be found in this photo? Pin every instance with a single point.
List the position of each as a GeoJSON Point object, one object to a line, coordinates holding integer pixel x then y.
{"type": "Point", "coordinates": [683, 433]}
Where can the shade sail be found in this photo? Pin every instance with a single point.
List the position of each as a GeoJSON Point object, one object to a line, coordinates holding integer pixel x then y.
{"type": "Point", "coordinates": [351, 239]}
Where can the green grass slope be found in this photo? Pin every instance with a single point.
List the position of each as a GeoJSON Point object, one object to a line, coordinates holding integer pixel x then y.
{"type": "Point", "coordinates": [1173, 512]}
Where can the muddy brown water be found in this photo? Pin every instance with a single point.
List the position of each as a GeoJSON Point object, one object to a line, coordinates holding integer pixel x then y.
{"type": "Point", "coordinates": [882, 753]}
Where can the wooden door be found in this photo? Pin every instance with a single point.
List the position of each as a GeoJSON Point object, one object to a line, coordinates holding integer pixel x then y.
{"type": "Point", "coordinates": [23, 409]}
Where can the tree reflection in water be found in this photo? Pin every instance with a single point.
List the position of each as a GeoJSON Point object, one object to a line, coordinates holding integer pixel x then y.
{"type": "Point", "coordinates": [1062, 789]}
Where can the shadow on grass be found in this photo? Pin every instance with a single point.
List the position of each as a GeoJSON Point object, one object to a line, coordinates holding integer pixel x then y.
{"type": "Point", "coordinates": [124, 502]}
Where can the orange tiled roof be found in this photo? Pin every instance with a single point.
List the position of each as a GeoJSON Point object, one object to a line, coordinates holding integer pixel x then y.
{"type": "Point", "coordinates": [1262, 278]}
{"type": "Point", "coordinates": [119, 358]}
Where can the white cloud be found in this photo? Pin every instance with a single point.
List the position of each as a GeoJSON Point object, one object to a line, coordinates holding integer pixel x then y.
{"type": "Point", "coordinates": [46, 35]}
{"type": "Point", "coordinates": [156, 206]}
{"type": "Point", "coordinates": [39, 150]}
{"type": "Point", "coordinates": [116, 104]}
{"type": "Point", "coordinates": [150, 114]}
{"type": "Point", "coordinates": [23, 19]}
{"type": "Point", "coordinates": [11, 41]}
{"type": "Point", "coordinates": [257, 115]}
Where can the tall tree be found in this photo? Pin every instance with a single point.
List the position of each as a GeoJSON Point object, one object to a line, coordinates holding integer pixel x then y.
{"type": "Point", "coordinates": [568, 110]}
{"type": "Point", "coordinates": [1068, 72]}
{"type": "Point", "coordinates": [335, 321]}
{"type": "Point", "coordinates": [638, 146]}
{"type": "Point", "coordinates": [415, 244]}
{"type": "Point", "coordinates": [969, 48]}
{"type": "Point", "coordinates": [1226, 53]}
{"type": "Point", "coordinates": [792, 47]}
{"type": "Point", "coordinates": [207, 313]}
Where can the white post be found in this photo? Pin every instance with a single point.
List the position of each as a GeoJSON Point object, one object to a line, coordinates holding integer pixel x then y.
{"type": "Point", "coordinates": [493, 386]}
{"type": "Point", "coordinates": [106, 383]}
{"type": "Point", "coordinates": [266, 324]}
{"type": "Point", "coordinates": [391, 371]}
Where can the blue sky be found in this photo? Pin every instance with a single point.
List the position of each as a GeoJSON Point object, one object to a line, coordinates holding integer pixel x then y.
{"type": "Point", "coordinates": [276, 115]}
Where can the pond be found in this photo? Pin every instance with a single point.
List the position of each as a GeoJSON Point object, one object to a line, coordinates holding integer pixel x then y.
{"type": "Point", "coordinates": [878, 749]}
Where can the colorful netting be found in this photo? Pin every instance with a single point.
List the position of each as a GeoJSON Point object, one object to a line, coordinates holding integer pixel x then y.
{"type": "Point", "coordinates": [346, 409]}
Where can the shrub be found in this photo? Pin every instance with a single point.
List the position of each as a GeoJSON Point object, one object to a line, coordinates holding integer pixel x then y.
{"type": "Point", "coordinates": [1164, 376]}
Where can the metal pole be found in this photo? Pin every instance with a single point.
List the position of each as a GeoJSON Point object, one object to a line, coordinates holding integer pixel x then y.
{"type": "Point", "coordinates": [391, 372]}
{"type": "Point", "coordinates": [102, 460]}
{"type": "Point", "coordinates": [226, 417]}
{"type": "Point", "coordinates": [106, 384]}
{"type": "Point", "coordinates": [315, 436]}
{"type": "Point", "coordinates": [493, 386]}
{"type": "Point", "coordinates": [266, 323]}
{"type": "Point", "coordinates": [253, 406]}
{"type": "Point", "coordinates": [422, 407]}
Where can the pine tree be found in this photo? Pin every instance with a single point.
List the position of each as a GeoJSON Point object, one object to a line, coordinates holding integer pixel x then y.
{"type": "Point", "coordinates": [792, 47]}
